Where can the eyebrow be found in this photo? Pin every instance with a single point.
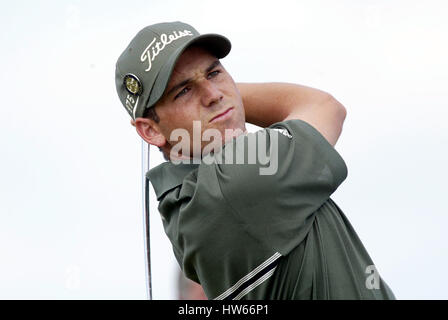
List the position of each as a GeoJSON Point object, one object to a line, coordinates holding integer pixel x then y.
{"type": "Point", "coordinates": [186, 81]}
{"type": "Point", "coordinates": [213, 66]}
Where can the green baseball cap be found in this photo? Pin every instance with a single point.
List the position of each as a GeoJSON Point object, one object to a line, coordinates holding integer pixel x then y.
{"type": "Point", "coordinates": [144, 68]}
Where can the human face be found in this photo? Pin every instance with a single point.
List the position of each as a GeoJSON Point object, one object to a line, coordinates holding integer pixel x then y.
{"type": "Point", "coordinates": [200, 89]}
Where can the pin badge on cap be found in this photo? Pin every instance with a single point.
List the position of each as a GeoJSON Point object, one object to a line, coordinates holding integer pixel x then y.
{"type": "Point", "coordinates": [133, 84]}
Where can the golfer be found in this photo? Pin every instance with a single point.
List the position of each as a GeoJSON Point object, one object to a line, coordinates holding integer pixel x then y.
{"type": "Point", "coordinates": [249, 215]}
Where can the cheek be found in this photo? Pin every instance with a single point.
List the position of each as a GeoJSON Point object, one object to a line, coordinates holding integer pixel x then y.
{"type": "Point", "coordinates": [232, 91]}
{"type": "Point", "coordinates": [178, 119]}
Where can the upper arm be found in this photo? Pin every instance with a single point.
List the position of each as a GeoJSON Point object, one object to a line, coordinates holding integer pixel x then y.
{"type": "Point", "coordinates": [326, 115]}
{"type": "Point", "coordinates": [278, 204]}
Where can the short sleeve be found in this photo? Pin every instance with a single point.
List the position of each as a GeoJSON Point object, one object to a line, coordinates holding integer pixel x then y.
{"type": "Point", "coordinates": [289, 171]}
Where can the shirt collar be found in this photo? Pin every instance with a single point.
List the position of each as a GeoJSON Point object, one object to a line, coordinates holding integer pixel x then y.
{"type": "Point", "coordinates": [167, 176]}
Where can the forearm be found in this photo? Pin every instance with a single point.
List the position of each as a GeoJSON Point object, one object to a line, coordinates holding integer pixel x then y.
{"type": "Point", "coordinates": [268, 103]}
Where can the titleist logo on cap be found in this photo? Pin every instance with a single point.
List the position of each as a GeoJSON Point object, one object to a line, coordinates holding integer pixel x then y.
{"type": "Point", "coordinates": [155, 47]}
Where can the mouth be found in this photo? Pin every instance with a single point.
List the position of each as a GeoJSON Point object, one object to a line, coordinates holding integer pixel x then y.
{"type": "Point", "coordinates": [222, 116]}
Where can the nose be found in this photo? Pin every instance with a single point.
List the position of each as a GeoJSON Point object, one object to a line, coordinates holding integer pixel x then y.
{"type": "Point", "coordinates": [211, 94]}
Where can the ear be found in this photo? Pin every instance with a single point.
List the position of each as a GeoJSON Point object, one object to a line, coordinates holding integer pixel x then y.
{"type": "Point", "coordinates": [150, 132]}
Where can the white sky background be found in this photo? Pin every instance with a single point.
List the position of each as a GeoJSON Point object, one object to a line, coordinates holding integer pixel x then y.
{"type": "Point", "coordinates": [70, 187]}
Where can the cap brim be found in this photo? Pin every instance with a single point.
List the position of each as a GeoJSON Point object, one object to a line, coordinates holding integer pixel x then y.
{"type": "Point", "coordinates": [217, 44]}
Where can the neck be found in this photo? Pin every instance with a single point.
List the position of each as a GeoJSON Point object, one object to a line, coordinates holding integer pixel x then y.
{"type": "Point", "coordinates": [210, 147]}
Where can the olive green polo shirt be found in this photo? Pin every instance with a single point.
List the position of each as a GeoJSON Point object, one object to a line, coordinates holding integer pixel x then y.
{"type": "Point", "coordinates": [246, 235]}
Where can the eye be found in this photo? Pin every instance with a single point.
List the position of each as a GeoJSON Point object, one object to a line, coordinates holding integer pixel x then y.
{"type": "Point", "coordinates": [213, 74]}
{"type": "Point", "coordinates": [182, 92]}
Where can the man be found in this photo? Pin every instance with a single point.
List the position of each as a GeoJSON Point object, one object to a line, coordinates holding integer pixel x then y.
{"type": "Point", "coordinates": [261, 228]}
